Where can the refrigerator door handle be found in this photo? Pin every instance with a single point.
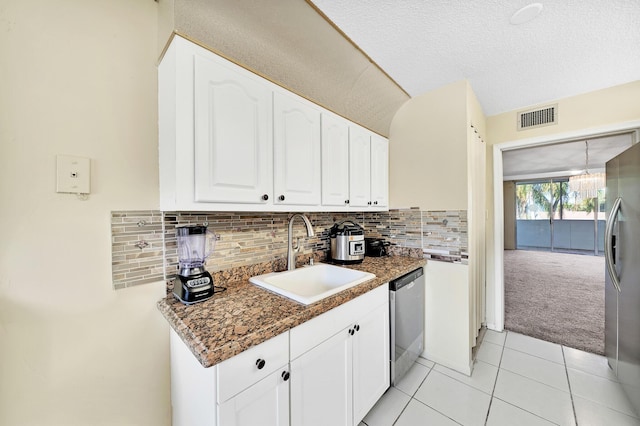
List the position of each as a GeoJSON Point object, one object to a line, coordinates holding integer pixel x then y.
{"type": "Point", "coordinates": [608, 243]}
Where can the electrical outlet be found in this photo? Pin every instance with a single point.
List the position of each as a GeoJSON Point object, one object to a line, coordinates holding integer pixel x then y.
{"type": "Point", "coordinates": [73, 174]}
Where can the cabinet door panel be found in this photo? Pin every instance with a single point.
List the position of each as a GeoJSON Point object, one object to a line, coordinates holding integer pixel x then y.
{"type": "Point", "coordinates": [379, 171]}
{"type": "Point", "coordinates": [233, 139]}
{"type": "Point", "coordinates": [359, 167]}
{"type": "Point", "coordinates": [335, 161]}
{"type": "Point", "coordinates": [265, 403]}
{"type": "Point", "coordinates": [370, 361]}
{"type": "Point", "coordinates": [296, 151]}
{"type": "Point", "coordinates": [321, 384]}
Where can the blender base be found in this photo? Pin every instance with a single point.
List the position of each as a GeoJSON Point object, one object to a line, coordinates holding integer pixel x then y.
{"type": "Point", "coordinates": [194, 288]}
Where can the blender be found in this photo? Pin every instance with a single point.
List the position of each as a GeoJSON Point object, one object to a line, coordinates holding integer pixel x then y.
{"type": "Point", "coordinates": [193, 283]}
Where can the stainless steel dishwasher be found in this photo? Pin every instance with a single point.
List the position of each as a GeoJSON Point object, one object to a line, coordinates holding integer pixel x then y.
{"type": "Point", "coordinates": [406, 300]}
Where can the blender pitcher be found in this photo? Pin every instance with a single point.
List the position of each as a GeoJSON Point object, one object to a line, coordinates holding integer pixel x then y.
{"type": "Point", "coordinates": [195, 244]}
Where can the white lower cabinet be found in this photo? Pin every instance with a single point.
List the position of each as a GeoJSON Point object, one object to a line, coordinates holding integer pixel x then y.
{"type": "Point", "coordinates": [321, 384]}
{"type": "Point", "coordinates": [330, 370]}
{"type": "Point", "coordinates": [265, 403]}
{"type": "Point", "coordinates": [249, 389]}
{"type": "Point", "coordinates": [370, 361]}
{"type": "Point", "coordinates": [340, 379]}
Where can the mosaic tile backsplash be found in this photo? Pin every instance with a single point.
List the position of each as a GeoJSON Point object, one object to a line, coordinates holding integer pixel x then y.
{"type": "Point", "coordinates": [445, 235]}
{"type": "Point", "coordinates": [136, 248]}
{"type": "Point", "coordinates": [251, 238]}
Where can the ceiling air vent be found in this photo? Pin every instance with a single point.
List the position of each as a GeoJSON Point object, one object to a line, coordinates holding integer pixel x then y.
{"type": "Point", "coordinates": [546, 116]}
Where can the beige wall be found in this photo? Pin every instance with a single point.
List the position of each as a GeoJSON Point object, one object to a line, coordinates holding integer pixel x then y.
{"type": "Point", "coordinates": [600, 108]}
{"type": "Point", "coordinates": [428, 151]}
{"type": "Point", "coordinates": [595, 109]}
{"type": "Point", "coordinates": [79, 78]}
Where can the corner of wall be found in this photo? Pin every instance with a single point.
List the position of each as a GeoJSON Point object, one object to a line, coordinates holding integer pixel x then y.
{"type": "Point", "coordinates": [475, 113]}
{"type": "Point", "coordinates": [166, 24]}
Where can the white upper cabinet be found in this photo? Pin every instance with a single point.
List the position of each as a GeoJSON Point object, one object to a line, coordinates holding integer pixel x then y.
{"type": "Point", "coordinates": [296, 151]}
{"type": "Point", "coordinates": [379, 171]}
{"type": "Point", "coordinates": [232, 135]}
{"type": "Point", "coordinates": [335, 160]}
{"type": "Point", "coordinates": [230, 140]}
{"type": "Point", "coordinates": [359, 167]}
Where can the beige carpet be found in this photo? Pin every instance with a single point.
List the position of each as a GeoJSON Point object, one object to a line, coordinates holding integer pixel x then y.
{"type": "Point", "coordinates": [556, 297]}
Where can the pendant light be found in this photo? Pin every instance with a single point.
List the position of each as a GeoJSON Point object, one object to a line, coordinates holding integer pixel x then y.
{"type": "Point", "coordinates": [587, 184]}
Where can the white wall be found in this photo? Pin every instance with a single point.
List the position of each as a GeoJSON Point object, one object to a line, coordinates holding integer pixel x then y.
{"type": "Point", "coordinates": [79, 78]}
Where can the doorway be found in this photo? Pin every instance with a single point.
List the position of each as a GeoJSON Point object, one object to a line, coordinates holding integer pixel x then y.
{"type": "Point", "coordinates": [554, 273]}
{"type": "Point", "coordinates": [495, 289]}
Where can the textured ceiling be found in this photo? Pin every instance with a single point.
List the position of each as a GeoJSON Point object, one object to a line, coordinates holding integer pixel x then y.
{"type": "Point", "coordinates": [562, 159]}
{"type": "Point", "coordinates": [572, 47]}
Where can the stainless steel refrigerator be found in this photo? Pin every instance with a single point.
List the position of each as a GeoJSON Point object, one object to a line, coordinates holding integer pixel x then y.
{"type": "Point", "coordinates": [622, 253]}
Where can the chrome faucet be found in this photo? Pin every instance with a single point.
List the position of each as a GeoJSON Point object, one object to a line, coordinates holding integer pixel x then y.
{"type": "Point", "coordinates": [291, 253]}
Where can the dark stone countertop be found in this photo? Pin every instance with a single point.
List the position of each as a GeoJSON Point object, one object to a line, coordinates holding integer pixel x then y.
{"type": "Point", "coordinates": [246, 315]}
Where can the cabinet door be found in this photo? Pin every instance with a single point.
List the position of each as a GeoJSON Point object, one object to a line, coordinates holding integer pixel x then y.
{"type": "Point", "coordinates": [359, 167]}
{"type": "Point", "coordinates": [335, 161]}
{"type": "Point", "coordinates": [379, 171]}
{"type": "Point", "coordinates": [233, 137]}
{"type": "Point", "coordinates": [296, 151]}
{"type": "Point", "coordinates": [321, 384]}
{"type": "Point", "coordinates": [370, 361]}
{"type": "Point", "coordinates": [265, 403]}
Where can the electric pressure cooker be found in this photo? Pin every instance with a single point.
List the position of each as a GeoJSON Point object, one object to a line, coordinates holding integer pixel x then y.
{"type": "Point", "coordinates": [347, 242]}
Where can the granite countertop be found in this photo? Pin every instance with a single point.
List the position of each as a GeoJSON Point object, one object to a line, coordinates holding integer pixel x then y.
{"type": "Point", "coordinates": [246, 315]}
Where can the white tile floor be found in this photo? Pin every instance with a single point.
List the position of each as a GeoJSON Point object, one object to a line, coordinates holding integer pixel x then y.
{"type": "Point", "coordinates": [516, 380]}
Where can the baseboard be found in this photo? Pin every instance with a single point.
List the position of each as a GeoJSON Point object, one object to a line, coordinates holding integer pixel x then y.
{"type": "Point", "coordinates": [493, 327]}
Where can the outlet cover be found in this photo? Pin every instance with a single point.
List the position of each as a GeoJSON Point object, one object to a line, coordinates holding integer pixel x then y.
{"type": "Point", "coordinates": [73, 174]}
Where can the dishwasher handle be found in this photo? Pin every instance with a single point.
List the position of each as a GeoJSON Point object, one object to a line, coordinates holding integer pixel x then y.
{"type": "Point", "coordinates": [406, 279]}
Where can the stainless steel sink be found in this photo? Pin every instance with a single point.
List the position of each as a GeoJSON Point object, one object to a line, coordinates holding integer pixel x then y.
{"type": "Point", "coordinates": [311, 283]}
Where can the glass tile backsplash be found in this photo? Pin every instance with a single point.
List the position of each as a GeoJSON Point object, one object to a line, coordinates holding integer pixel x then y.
{"type": "Point", "coordinates": [139, 255]}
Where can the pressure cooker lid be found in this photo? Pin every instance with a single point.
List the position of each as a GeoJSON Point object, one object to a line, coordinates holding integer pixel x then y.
{"type": "Point", "coordinates": [346, 227]}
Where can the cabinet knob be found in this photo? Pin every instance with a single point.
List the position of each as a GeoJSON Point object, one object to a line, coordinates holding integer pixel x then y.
{"type": "Point", "coordinates": [285, 375]}
{"type": "Point", "coordinates": [265, 197]}
{"type": "Point", "coordinates": [346, 201]}
{"type": "Point", "coordinates": [375, 202]}
{"type": "Point", "coordinates": [281, 198]}
{"type": "Point", "coordinates": [351, 332]}
{"type": "Point", "coordinates": [357, 327]}
{"type": "Point", "coordinates": [260, 363]}
{"type": "Point", "coordinates": [369, 203]}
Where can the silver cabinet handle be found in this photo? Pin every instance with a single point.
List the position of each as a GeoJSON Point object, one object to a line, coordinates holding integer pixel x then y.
{"type": "Point", "coordinates": [608, 242]}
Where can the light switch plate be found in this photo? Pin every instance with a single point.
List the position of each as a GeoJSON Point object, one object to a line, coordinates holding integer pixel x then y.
{"type": "Point", "coordinates": [73, 174]}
